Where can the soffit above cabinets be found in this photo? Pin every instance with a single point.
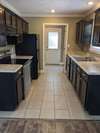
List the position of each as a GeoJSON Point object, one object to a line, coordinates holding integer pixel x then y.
{"type": "Point", "coordinates": [43, 7]}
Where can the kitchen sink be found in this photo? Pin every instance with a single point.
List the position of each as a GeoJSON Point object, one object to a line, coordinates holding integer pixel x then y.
{"type": "Point", "coordinates": [78, 58]}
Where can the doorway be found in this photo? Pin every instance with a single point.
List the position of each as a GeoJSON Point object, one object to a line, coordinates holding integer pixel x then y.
{"type": "Point", "coordinates": [55, 37]}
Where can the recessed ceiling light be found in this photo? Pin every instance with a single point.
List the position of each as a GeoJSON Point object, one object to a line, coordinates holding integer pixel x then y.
{"type": "Point", "coordinates": [52, 11]}
{"type": "Point", "coordinates": [90, 3]}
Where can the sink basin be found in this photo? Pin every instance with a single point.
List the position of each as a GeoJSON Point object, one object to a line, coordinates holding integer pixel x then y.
{"type": "Point", "coordinates": [78, 58]}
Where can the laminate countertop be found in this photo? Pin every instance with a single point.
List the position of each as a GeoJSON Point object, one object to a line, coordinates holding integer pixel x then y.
{"type": "Point", "coordinates": [23, 57]}
{"type": "Point", "coordinates": [9, 68]}
{"type": "Point", "coordinates": [89, 67]}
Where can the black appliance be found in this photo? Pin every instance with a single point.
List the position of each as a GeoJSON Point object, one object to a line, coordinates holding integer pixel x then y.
{"type": "Point", "coordinates": [29, 47]}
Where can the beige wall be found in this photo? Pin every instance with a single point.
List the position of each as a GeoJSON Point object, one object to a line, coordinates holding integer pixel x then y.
{"type": "Point", "coordinates": [36, 26]}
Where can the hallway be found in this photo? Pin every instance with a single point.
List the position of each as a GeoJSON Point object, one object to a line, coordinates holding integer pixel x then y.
{"type": "Point", "coordinates": [51, 97]}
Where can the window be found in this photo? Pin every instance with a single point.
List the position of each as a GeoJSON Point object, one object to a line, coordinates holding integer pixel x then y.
{"type": "Point", "coordinates": [52, 40]}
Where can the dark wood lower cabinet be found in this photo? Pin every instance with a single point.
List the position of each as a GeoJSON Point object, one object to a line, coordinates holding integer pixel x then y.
{"type": "Point", "coordinates": [83, 88]}
{"type": "Point", "coordinates": [68, 67]}
{"type": "Point", "coordinates": [11, 90]}
{"type": "Point", "coordinates": [86, 86]}
{"type": "Point", "coordinates": [78, 78]}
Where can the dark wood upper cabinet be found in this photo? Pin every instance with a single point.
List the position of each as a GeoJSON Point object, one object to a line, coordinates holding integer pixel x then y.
{"type": "Point", "coordinates": [96, 33]}
{"type": "Point", "coordinates": [14, 21]}
{"type": "Point", "coordinates": [25, 27]}
{"type": "Point", "coordinates": [2, 20]}
{"type": "Point", "coordinates": [8, 18]}
{"type": "Point", "coordinates": [19, 26]}
{"type": "Point", "coordinates": [84, 32]}
{"type": "Point", "coordinates": [88, 32]}
{"type": "Point", "coordinates": [80, 32]}
{"type": "Point", "coordinates": [10, 23]}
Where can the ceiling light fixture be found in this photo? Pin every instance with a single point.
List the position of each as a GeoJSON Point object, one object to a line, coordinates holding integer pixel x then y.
{"type": "Point", "coordinates": [90, 3]}
{"type": "Point", "coordinates": [52, 11]}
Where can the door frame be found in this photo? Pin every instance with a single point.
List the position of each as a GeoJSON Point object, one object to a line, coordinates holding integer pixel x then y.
{"type": "Point", "coordinates": [65, 40]}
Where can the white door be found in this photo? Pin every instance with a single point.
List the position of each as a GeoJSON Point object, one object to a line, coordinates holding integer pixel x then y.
{"type": "Point", "coordinates": [53, 46]}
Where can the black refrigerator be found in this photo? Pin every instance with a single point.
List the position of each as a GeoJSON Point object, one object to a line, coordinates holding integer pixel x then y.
{"type": "Point", "coordinates": [30, 47]}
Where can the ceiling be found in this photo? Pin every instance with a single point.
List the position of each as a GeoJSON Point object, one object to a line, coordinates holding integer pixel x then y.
{"type": "Point", "coordinates": [43, 7]}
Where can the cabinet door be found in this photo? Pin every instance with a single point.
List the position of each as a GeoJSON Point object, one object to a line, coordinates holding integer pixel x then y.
{"type": "Point", "coordinates": [80, 28]}
{"type": "Point", "coordinates": [8, 18]}
{"type": "Point", "coordinates": [2, 20]}
{"type": "Point", "coordinates": [77, 32]}
{"type": "Point", "coordinates": [68, 66]}
{"type": "Point", "coordinates": [14, 21]}
{"type": "Point", "coordinates": [19, 26]}
{"type": "Point", "coordinates": [74, 75]}
{"type": "Point", "coordinates": [81, 35]}
{"type": "Point", "coordinates": [26, 27]}
{"type": "Point", "coordinates": [23, 26]}
{"type": "Point", "coordinates": [82, 91]}
{"type": "Point", "coordinates": [88, 32]}
{"type": "Point", "coordinates": [78, 78]}
{"type": "Point", "coordinates": [71, 71]}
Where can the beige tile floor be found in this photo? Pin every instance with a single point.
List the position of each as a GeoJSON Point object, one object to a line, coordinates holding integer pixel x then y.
{"type": "Point", "coordinates": [50, 97]}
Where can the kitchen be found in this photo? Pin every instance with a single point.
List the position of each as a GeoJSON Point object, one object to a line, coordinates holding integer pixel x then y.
{"type": "Point", "coordinates": [53, 94]}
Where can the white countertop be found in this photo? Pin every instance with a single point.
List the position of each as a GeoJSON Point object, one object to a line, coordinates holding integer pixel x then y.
{"type": "Point", "coordinates": [23, 57]}
{"type": "Point", "coordinates": [90, 67]}
{"type": "Point", "coordinates": [6, 68]}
